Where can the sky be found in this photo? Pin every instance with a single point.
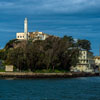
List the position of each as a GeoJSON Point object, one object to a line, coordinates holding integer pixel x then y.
{"type": "Point", "coordinates": [77, 18]}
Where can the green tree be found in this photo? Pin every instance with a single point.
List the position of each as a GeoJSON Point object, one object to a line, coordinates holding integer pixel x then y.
{"type": "Point", "coordinates": [52, 53]}
{"type": "Point", "coordinates": [84, 44]}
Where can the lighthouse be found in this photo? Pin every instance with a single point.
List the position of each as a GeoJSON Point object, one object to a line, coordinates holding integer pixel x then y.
{"type": "Point", "coordinates": [26, 29]}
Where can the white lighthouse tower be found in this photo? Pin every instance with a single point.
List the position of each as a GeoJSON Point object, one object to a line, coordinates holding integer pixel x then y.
{"type": "Point", "coordinates": [26, 29]}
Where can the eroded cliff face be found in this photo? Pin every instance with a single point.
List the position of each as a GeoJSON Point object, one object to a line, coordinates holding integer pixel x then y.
{"type": "Point", "coordinates": [12, 44]}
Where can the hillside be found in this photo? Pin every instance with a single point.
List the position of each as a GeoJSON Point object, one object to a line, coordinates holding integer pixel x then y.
{"type": "Point", "coordinates": [51, 54]}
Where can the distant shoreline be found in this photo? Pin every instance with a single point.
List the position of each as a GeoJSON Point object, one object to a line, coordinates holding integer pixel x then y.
{"type": "Point", "coordinates": [30, 75]}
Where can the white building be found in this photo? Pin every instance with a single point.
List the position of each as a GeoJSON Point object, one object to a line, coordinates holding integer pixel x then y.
{"type": "Point", "coordinates": [20, 36]}
{"type": "Point", "coordinates": [97, 60]}
{"type": "Point", "coordinates": [30, 35]}
{"type": "Point", "coordinates": [9, 68]}
{"type": "Point", "coordinates": [86, 62]}
{"type": "Point", "coordinates": [97, 63]}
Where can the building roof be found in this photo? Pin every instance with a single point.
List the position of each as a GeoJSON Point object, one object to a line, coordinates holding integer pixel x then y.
{"type": "Point", "coordinates": [96, 57]}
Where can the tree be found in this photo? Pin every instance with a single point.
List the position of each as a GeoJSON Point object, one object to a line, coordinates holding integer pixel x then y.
{"type": "Point", "coordinates": [84, 44]}
{"type": "Point", "coordinates": [10, 44]}
{"type": "Point", "coordinates": [52, 53]}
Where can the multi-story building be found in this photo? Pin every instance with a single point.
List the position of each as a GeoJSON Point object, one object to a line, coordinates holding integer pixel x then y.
{"type": "Point", "coordinates": [30, 35]}
{"type": "Point", "coordinates": [86, 62]}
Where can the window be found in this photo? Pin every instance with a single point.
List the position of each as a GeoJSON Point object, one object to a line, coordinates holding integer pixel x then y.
{"type": "Point", "coordinates": [87, 61]}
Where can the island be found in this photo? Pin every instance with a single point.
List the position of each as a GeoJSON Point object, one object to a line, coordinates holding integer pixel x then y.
{"type": "Point", "coordinates": [37, 54]}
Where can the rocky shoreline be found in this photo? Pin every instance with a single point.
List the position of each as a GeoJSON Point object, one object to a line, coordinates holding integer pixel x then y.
{"type": "Point", "coordinates": [30, 75]}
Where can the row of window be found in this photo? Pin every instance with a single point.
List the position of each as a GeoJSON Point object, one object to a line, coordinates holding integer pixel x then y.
{"type": "Point", "coordinates": [83, 57]}
{"type": "Point", "coordinates": [28, 37]}
{"type": "Point", "coordinates": [83, 61]}
{"type": "Point", "coordinates": [20, 36]}
{"type": "Point", "coordinates": [86, 61]}
{"type": "Point", "coordinates": [84, 52]}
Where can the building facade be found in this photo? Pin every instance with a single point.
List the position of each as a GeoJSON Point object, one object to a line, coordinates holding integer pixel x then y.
{"type": "Point", "coordinates": [97, 60]}
{"type": "Point", "coordinates": [86, 62]}
{"type": "Point", "coordinates": [32, 35]}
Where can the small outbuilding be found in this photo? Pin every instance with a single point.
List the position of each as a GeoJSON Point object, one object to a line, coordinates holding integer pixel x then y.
{"type": "Point", "coordinates": [9, 68]}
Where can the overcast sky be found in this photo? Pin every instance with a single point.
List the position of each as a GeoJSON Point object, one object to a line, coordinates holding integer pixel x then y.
{"type": "Point", "coordinates": [77, 18]}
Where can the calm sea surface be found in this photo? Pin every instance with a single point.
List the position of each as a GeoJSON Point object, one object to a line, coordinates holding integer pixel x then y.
{"type": "Point", "coordinates": [51, 89]}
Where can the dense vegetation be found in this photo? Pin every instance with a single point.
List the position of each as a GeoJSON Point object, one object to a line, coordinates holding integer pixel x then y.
{"type": "Point", "coordinates": [50, 54]}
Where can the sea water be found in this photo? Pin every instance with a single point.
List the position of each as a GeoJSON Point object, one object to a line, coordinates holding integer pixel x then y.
{"type": "Point", "coordinates": [51, 89]}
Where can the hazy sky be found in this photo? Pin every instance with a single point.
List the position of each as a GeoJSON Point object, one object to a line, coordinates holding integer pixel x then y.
{"type": "Point", "coordinates": [77, 18]}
